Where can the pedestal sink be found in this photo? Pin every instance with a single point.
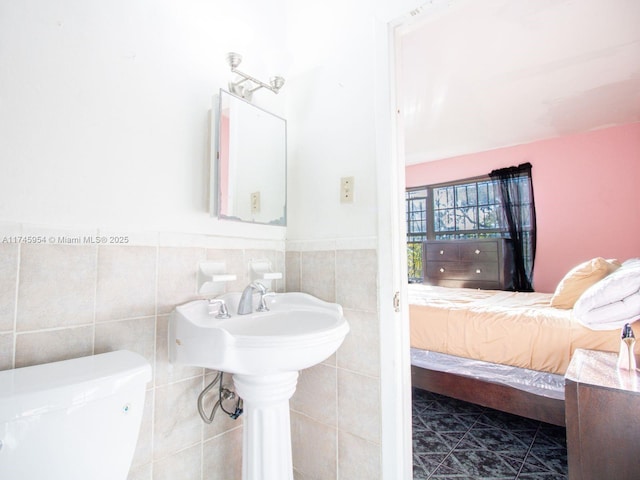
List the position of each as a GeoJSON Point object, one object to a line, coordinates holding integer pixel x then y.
{"type": "Point", "coordinates": [264, 351]}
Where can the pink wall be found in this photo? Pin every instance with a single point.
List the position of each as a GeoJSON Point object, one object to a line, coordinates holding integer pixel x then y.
{"type": "Point", "coordinates": [587, 192]}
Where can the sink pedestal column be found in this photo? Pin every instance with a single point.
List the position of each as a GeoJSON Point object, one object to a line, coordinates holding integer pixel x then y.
{"type": "Point", "coordinates": [266, 437]}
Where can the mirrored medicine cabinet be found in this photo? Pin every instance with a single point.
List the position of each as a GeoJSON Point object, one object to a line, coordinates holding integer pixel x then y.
{"type": "Point", "coordinates": [249, 162]}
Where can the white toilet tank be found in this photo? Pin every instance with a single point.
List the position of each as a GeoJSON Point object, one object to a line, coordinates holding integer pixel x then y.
{"type": "Point", "coordinates": [72, 420]}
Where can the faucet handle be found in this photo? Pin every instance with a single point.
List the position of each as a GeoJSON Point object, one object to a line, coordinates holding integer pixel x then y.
{"type": "Point", "coordinates": [222, 311]}
{"type": "Point", "coordinates": [262, 307]}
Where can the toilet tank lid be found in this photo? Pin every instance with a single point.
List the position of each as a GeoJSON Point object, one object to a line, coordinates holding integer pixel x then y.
{"type": "Point", "coordinates": [42, 388]}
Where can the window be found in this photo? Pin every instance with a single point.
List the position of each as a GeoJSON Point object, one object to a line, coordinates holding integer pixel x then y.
{"type": "Point", "coordinates": [470, 208]}
{"type": "Point", "coordinates": [465, 210]}
{"type": "Point", "coordinates": [416, 231]}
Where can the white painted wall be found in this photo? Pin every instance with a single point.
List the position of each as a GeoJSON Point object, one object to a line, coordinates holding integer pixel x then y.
{"type": "Point", "coordinates": [336, 86]}
{"type": "Point", "coordinates": [104, 108]}
{"type": "Point", "coordinates": [331, 123]}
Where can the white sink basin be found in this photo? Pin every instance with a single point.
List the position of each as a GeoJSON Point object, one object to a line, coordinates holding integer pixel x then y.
{"type": "Point", "coordinates": [297, 332]}
{"type": "Point", "coordinates": [263, 351]}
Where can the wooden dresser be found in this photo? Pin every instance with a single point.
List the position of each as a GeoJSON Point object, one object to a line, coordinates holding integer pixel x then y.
{"type": "Point", "coordinates": [485, 263]}
{"type": "Point", "coordinates": [602, 406]}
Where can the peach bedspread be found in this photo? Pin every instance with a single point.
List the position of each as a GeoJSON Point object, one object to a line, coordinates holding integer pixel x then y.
{"type": "Point", "coordinates": [511, 328]}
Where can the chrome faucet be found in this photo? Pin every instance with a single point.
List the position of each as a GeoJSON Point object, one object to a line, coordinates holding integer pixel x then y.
{"type": "Point", "coordinates": [246, 300]}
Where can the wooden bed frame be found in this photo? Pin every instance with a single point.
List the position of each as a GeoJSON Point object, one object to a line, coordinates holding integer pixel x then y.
{"type": "Point", "coordinates": [489, 394]}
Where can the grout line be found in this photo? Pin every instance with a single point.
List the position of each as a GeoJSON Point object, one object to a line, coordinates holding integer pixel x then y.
{"type": "Point", "coordinates": [15, 305]}
{"type": "Point", "coordinates": [155, 321]}
{"type": "Point", "coordinates": [456, 445]}
{"type": "Point", "coordinates": [154, 379]}
{"type": "Point", "coordinates": [524, 459]}
{"type": "Point", "coordinates": [95, 298]}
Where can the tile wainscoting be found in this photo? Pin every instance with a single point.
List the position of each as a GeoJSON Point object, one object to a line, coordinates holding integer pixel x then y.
{"type": "Point", "coordinates": [337, 403]}
{"type": "Point", "coordinates": [65, 301]}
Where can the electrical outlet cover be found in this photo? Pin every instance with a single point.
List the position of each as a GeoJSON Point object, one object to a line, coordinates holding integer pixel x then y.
{"type": "Point", "coordinates": [346, 190]}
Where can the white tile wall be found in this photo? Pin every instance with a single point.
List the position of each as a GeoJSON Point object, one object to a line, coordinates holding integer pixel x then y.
{"type": "Point", "coordinates": [57, 286]}
{"type": "Point", "coordinates": [8, 279]}
{"type": "Point", "coordinates": [337, 403]}
{"type": "Point", "coordinates": [64, 301]}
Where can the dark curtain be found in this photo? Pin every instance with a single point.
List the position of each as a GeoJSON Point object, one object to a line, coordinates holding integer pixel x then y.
{"type": "Point", "coordinates": [520, 213]}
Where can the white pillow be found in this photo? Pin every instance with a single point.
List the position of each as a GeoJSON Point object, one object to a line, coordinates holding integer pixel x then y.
{"type": "Point", "coordinates": [613, 301]}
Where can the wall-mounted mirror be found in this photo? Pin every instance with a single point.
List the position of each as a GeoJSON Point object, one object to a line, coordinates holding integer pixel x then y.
{"type": "Point", "coordinates": [250, 167]}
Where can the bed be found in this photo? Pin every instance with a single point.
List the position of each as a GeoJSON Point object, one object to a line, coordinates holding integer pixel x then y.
{"type": "Point", "coordinates": [504, 350]}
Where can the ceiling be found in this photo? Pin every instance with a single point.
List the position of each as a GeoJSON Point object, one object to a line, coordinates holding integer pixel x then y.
{"type": "Point", "coordinates": [474, 76]}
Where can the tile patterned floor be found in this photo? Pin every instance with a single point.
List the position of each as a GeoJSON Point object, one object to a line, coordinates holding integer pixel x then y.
{"type": "Point", "coordinates": [462, 441]}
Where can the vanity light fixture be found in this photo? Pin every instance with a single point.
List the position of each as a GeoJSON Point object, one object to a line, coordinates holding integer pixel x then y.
{"type": "Point", "coordinates": [245, 86]}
